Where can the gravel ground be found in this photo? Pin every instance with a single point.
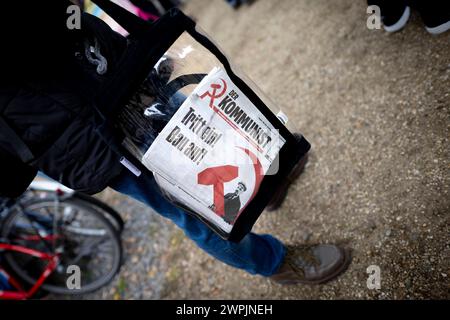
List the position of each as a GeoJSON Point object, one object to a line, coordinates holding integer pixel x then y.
{"type": "Point", "coordinates": [376, 108]}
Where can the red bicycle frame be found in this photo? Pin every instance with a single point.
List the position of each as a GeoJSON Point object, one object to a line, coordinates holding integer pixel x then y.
{"type": "Point", "coordinates": [21, 293]}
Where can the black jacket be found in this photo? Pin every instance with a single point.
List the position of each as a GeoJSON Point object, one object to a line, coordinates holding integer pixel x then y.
{"type": "Point", "coordinates": [46, 98]}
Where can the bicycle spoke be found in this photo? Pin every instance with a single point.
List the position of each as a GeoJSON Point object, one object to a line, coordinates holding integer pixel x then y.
{"type": "Point", "coordinates": [84, 249]}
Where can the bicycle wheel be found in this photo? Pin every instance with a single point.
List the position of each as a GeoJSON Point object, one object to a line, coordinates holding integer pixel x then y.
{"type": "Point", "coordinates": [81, 235]}
{"type": "Point", "coordinates": [112, 215]}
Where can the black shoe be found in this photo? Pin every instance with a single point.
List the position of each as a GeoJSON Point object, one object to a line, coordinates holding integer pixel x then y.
{"type": "Point", "coordinates": [435, 15]}
{"type": "Point", "coordinates": [394, 13]}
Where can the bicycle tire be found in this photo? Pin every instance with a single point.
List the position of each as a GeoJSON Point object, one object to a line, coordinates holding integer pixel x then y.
{"type": "Point", "coordinates": [111, 214]}
{"type": "Point", "coordinates": [91, 287]}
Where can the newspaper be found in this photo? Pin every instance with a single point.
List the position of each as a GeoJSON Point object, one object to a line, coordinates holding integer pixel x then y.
{"type": "Point", "coordinates": [214, 152]}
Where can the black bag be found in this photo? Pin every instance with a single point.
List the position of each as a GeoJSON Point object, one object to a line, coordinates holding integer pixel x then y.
{"type": "Point", "coordinates": [141, 81]}
{"type": "Point", "coordinates": [10, 166]}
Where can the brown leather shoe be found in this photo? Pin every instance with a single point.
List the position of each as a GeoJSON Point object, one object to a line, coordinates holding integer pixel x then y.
{"type": "Point", "coordinates": [281, 192]}
{"type": "Point", "coordinates": [312, 264]}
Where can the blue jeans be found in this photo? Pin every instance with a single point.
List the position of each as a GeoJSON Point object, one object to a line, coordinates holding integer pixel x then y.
{"type": "Point", "coordinates": [256, 254]}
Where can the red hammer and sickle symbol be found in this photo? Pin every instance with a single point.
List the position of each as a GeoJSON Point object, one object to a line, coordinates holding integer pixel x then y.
{"type": "Point", "coordinates": [213, 95]}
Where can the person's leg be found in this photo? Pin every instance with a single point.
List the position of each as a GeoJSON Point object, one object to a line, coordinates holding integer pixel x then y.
{"type": "Point", "coordinates": [256, 254]}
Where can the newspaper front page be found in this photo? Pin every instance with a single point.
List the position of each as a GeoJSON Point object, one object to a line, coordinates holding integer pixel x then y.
{"type": "Point", "coordinates": [214, 152]}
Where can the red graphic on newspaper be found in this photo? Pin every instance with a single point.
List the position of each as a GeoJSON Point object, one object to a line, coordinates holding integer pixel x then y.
{"type": "Point", "coordinates": [229, 206]}
{"type": "Point", "coordinates": [221, 88]}
{"type": "Point", "coordinates": [214, 152]}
